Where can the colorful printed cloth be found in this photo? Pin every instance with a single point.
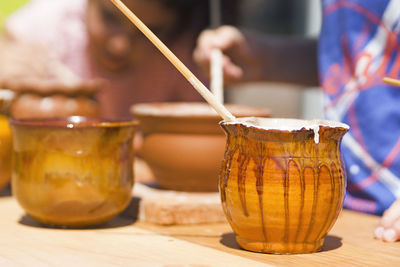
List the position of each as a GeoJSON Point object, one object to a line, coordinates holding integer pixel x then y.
{"type": "Point", "coordinates": [359, 45]}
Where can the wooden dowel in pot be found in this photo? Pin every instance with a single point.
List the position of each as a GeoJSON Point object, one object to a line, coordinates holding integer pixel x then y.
{"type": "Point", "coordinates": [194, 81]}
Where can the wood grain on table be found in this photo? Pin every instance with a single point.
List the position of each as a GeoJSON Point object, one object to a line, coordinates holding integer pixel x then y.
{"type": "Point", "coordinates": [126, 242]}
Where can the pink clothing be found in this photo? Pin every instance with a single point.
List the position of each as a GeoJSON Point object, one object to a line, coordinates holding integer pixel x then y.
{"type": "Point", "coordinates": [60, 25]}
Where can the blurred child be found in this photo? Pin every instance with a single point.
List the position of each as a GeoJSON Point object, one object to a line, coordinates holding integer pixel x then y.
{"type": "Point", "coordinates": [94, 39]}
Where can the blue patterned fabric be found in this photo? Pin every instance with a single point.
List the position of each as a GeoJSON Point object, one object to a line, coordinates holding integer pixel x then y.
{"type": "Point", "coordinates": [359, 45]}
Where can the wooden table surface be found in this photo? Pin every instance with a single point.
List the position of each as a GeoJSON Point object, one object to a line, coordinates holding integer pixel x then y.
{"type": "Point", "coordinates": [126, 242]}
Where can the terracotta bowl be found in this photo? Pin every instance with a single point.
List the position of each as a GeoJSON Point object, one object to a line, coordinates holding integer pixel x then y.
{"type": "Point", "coordinates": [30, 105]}
{"type": "Point", "coordinates": [183, 143]}
{"type": "Point", "coordinates": [72, 172]}
{"type": "Point", "coordinates": [6, 98]}
{"type": "Point", "coordinates": [282, 183]}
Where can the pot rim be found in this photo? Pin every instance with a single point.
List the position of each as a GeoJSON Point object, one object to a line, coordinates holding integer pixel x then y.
{"type": "Point", "coordinates": [74, 122]}
{"type": "Point", "coordinates": [191, 109]}
{"type": "Point", "coordinates": [289, 124]}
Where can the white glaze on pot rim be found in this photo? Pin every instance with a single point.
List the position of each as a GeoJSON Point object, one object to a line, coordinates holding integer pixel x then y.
{"type": "Point", "coordinates": [287, 124]}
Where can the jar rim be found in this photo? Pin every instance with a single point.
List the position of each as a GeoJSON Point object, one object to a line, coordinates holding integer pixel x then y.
{"type": "Point", "coordinates": [74, 122]}
{"type": "Point", "coordinates": [284, 124]}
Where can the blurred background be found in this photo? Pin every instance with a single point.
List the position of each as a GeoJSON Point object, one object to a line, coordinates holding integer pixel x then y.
{"type": "Point", "coordinates": [7, 7]}
{"type": "Point", "coordinates": [282, 17]}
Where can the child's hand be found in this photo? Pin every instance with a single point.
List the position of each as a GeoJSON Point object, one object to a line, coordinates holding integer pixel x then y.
{"type": "Point", "coordinates": [389, 226]}
{"type": "Point", "coordinates": [233, 45]}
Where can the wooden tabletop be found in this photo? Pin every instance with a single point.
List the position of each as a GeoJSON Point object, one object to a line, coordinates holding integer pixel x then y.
{"type": "Point", "coordinates": [126, 242]}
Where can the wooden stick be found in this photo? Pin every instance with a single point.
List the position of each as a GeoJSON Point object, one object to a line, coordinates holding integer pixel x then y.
{"type": "Point", "coordinates": [194, 81]}
{"type": "Point", "coordinates": [216, 70]}
{"type": "Point", "coordinates": [391, 81]}
{"type": "Point", "coordinates": [217, 75]}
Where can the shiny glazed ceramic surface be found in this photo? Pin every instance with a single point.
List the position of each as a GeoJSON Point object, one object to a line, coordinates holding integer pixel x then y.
{"type": "Point", "coordinates": [72, 172]}
{"type": "Point", "coordinates": [5, 151]}
{"type": "Point", "coordinates": [282, 190]}
{"type": "Point", "coordinates": [183, 144]}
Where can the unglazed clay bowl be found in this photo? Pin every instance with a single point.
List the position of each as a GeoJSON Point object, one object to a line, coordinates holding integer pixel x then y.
{"type": "Point", "coordinates": [72, 172]}
{"type": "Point", "coordinates": [282, 183]}
{"type": "Point", "coordinates": [183, 143]}
{"type": "Point", "coordinates": [30, 105]}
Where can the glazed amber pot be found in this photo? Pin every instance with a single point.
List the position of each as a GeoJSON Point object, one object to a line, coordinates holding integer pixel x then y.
{"type": "Point", "coordinates": [6, 97]}
{"type": "Point", "coordinates": [282, 182]}
{"type": "Point", "coordinates": [72, 172]}
{"type": "Point", "coordinates": [5, 151]}
{"type": "Point", "coordinates": [183, 143]}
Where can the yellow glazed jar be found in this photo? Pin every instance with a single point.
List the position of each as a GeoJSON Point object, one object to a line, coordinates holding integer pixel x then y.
{"type": "Point", "coordinates": [72, 172]}
{"type": "Point", "coordinates": [5, 151]}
